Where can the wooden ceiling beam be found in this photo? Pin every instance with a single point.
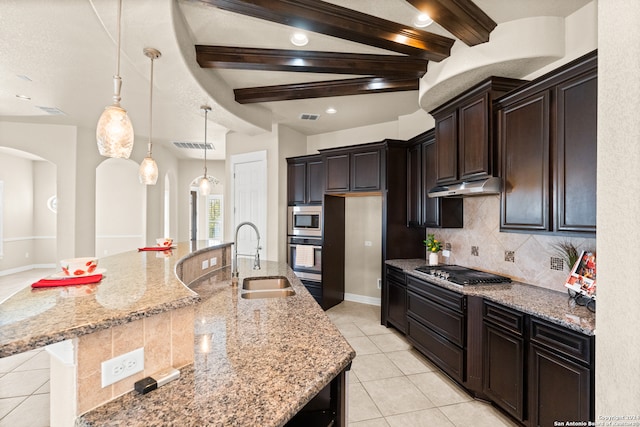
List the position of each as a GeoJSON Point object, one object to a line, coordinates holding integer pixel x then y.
{"type": "Point", "coordinates": [241, 58]}
{"type": "Point", "coordinates": [348, 24]}
{"type": "Point", "coordinates": [462, 18]}
{"type": "Point", "coordinates": [358, 86]}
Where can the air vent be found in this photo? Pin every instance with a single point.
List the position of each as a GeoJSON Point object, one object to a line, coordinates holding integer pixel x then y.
{"type": "Point", "coordinates": [194, 145]}
{"type": "Point", "coordinates": [309, 116]}
{"type": "Point", "coordinates": [53, 111]}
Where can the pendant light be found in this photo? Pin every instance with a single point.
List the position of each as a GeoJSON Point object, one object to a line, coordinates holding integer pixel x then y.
{"type": "Point", "coordinates": [205, 185]}
{"type": "Point", "coordinates": [148, 172]}
{"type": "Point", "coordinates": [114, 132]}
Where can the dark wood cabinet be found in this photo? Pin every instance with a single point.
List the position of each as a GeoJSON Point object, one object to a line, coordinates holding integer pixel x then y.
{"type": "Point", "coordinates": [436, 325]}
{"type": "Point", "coordinates": [397, 298]}
{"type": "Point", "coordinates": [305, 180]}
{"type": "Point", "coordinates": [423, 211]}
{"type": "Point", "coordinates": [504, 358]}
{"type": "Point", "coordinates": [547, 137]}
{"type": "Point", "coordinates": [337, 172]}
{"type": "Point", "coordinates": [465, 145]}
{"type": "Point", "coordinates": [524, 139]}
{"type": "Point", "coordinates": [576, 146]}
{"type": "Point", "coordinates": [354, 169]}
{"type": "Point", "coordinates": [561, 375]}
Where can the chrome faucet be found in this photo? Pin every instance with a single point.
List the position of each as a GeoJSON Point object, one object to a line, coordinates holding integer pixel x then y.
{"type": "Point", "coordinates": [256, 259]}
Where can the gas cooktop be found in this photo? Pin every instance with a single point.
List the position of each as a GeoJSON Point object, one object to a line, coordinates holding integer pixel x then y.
{"type": "Point", "coordinates": [462, 275]}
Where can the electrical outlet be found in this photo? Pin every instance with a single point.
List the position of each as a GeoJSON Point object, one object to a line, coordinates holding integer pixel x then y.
{"type": "Point", "coordinates": [213, 261]}
{"type": "Point", "coordinates": [368, 243]}
{"type": "Point", "coordinates": [123, 366]}
{"type": "Point", "coordinates": [205, 264]}
{"type": "Point", "coordinates": [26, 254]}
{"type": "Point", "coordinates": [379, 283]}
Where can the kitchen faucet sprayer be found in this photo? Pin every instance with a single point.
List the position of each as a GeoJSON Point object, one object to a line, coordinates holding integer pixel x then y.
{"type": "Point", "coordinates": [256, 260]}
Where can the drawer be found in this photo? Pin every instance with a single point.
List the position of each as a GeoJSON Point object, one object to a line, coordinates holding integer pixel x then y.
{"type": "Point", "coordinates": [442, 320]}
{"type": "Point", "coordinates": [499, 315]}
{"type": "Point", "coordinates": [396, 274]}
{"type": "Point", "coordinates": [442, 296]}
{"type": "Point", "coordinates": [562, 340]}
{"type": "Point", "coordinates": [448, 356]}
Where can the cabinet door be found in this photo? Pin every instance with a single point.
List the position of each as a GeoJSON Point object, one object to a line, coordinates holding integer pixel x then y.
{"type": "Point", "coordinates": [473, 139]}
{"type": "Point", "coordinates": [524, 145]}
{"type": "Point", "coordinates": [559, 389]}
{"type": "Point", "coordinates": [430, 206]}
{"type": "Point", "coordinates": [504, 369]}
{"type": "Point", "coordinates": [414, 186]}
{"type": "Point", "coordinates": [337, 172]}
{"type": "Point", "coordinates": [366, 171]}
{"type": "Point", "coordinates": [447, 147]}
{"type": "Point", "coordinates": [397, 314]}
{"type": "Point", "coordinates": [296, 183]}
{"type": "Point", "coordinates": [315, 181]}
{"type": "Point", "coordinates": [576, 154]}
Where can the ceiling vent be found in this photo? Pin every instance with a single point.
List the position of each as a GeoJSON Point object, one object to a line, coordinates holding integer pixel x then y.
{"type": "Point", "coordinates": [309, 116]}
{"type": "Point", "coordinates": [194, 145]}
{"type": "Point", "coordinates": [52, 111]}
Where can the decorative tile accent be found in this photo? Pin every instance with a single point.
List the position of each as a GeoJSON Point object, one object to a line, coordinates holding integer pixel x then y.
{"type": "Point", "coordinates": [556, 263]}
{"type": "Point", "coordinates": [474, 250]}
{"type": "Point", "coordinates": [509, 256]}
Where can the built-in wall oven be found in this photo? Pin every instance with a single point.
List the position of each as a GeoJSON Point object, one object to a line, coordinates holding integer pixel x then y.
{"type": "Point", "coordinates": [304, 255]}
{"type": "Point", "coordinates": [304, 247]}
{"type": "Point", "coordinates": [305, 221]}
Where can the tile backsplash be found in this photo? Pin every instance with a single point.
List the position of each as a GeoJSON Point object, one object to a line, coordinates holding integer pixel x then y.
{"type": "Point", "coordinates": [523, 257]}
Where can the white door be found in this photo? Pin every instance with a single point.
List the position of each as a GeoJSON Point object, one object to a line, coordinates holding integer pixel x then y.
{"type": "Point", "coordinates": [250, 201]}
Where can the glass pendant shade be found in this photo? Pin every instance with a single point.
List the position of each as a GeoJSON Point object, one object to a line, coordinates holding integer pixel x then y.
{"type": "Point", "coordinates": [205, 186]}
{"type": "Point", "coordinates": [114, 133]}
{"type": "Point", "coordinates": [148, 172]}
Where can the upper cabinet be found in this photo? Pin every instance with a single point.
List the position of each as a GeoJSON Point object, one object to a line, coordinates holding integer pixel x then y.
{"type": "Point", "coordinates": [423, 211]}
{"type": "Point", "coordinates": [547, 137]}
{"type": "Point", "coordinates": [355, 169]}
{"type": "Point", "coordinates": [464, 132]}
{"type": "Point", "coordinates": [305, 180]}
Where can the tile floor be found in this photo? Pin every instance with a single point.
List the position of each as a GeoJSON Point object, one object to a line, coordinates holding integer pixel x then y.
{"type": "Point", "coordinates": [24, 378]}
{"type": "Point", "coordinates": [390, 384]}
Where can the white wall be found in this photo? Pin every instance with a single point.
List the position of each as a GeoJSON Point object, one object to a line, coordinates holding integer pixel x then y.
{"type": "Point", "coordinates": [617, 340]}
{"type": "Point", "coordinates": [360, 135]}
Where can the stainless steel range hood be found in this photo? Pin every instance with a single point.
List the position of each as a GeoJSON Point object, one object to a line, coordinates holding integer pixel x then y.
{"type": "Point", "coordinates": [492, 185]}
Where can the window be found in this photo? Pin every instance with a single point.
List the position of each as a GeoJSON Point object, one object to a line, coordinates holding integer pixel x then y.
{"type": "Point", "coordinates": [215, 226]}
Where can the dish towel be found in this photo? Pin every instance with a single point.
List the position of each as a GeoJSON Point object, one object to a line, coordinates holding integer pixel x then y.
{"type": "Point", "coordinates": [85, 280]}
{"type": "Point", "coordinates": [304, 256]}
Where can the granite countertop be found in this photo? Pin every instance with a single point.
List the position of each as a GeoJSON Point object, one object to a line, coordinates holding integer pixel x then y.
{"type": "Point", "coordinates": [547, 304]}
{"type": "Point", "coordinates": [135, 285]}
{"type": "Point", "coordinates": [257, 361]}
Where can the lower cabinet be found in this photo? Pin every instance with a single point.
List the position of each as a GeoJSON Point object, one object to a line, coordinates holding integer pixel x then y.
{"type": "Point", "coordinates": [436, 325]}
{"type": "Point", "coordinates": [561, 375]}
{"type": "Point", "coordinates": [504, 356]}
{"type": "Point", "coordinates": [552, 381]}
{"type": "Point", "coordinates": [394, 301]}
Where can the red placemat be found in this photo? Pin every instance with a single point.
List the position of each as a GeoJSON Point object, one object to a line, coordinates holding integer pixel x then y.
{"type": "Point", "coordinates": [85, 280]}
{"type": "Point", "coordinates": [155, 248]}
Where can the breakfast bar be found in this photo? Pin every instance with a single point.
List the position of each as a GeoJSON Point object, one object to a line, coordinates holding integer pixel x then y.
{"type": "Point", "coordinates": [245, 358]}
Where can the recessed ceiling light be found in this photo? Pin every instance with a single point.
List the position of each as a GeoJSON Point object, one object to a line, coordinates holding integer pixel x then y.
{"type": "Point", "coordinates": [331, 110]}
{"type": "Point", "coordinates": [24, 97]}
{"type": "Point", "coordinates": [422, 20]}
{"type": "Point", "coordinates": [299, 39]}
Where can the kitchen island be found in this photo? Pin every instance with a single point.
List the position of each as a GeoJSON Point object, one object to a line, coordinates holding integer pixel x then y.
{"type": "Point", "coordinates": [249, 361]}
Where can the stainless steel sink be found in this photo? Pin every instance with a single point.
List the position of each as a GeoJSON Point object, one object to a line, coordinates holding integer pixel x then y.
{"type": "Point", "coordinates": [265, 283]}
{"type": "Point", "coordinates": [277, 293]}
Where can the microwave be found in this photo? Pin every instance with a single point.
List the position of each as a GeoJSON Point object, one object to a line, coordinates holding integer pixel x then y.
{"type": "Point", "coordinates": [305, 221]}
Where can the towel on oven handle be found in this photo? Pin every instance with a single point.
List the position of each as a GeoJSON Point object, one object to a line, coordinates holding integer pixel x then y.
{"type": "Point", "coordinates": [304, 256]}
